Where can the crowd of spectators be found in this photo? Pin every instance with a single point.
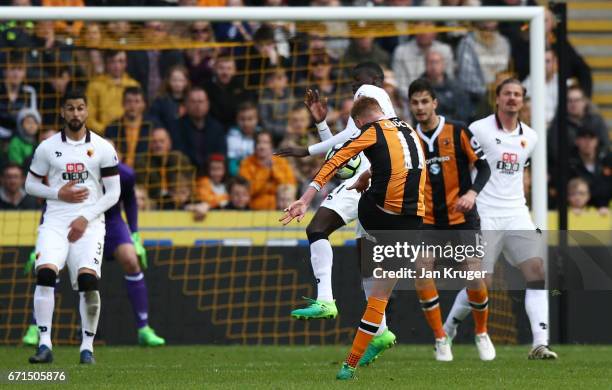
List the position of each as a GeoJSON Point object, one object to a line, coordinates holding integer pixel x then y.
{"type": "Point", "coordinates": [199, 122]}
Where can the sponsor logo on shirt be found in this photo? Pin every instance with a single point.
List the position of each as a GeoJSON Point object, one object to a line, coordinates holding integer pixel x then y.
{"type": "Point", "coordinates": [75, 172]}
{"type": "Point", "coordinates": [508, 164]}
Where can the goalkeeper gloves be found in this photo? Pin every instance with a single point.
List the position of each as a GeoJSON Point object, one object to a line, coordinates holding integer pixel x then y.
{"type": "Point", "coordinates": [141, 252]}
{"type": "Point", "coordinates": [27, 268]}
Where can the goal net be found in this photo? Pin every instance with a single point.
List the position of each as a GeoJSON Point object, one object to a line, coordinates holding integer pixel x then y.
{"type": "Point", "coordinates": [149, 74]}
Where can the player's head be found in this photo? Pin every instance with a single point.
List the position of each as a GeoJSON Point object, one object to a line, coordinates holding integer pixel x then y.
{"type": "Point", "coordinates": [423, 101]}
{"type": "Point", "coordinates": [74, 110]}
{"type": "Point", "coordinates": [366, 110]}
{"type": "Point", "coordinates": [509, 96]}
{"type": "Point", "coordinates": [367, 73]}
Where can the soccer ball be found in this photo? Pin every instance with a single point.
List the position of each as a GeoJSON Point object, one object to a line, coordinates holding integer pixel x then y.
{"type": "Point", "coordinates": [349, 169]}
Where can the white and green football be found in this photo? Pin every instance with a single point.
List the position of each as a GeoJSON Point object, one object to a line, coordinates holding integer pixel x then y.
{"type": "Point", "coordinates": [349, 169]}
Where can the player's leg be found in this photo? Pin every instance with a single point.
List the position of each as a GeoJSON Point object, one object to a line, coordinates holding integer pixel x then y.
{"type": "Point", "coordinates": [324, 223]}
{"type": "Point", "coordinates": [85, 268]}
{"type": "Point", "coordinates": [478, 299]}
{"type": "Point", "coordinates": [137, 291]}
{"type": "Point", "coordinates": [524, 249]}
{"type": "Point", "coordinates": [373, 219]}
{"type": "Point", "coordinates": [89, 308]}
{"type": "Point", "coordinates": [430, 305]}
{"type": "Point", "coordinates": [51, 252]}
{"type": "Point", "coordinates": [492, 239]}
{"type": "Point", "coordinates": [370, 322]}
{"type": "Point", "coordinates": [44, 304]}
{"type": "Point", "coordinates": [384, 338]}
{"type": "Point", "coordinates": [32, 336]}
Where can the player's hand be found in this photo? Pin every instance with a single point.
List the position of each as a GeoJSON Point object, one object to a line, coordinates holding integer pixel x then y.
{"type": "Point", "coordinates": [292, 151]}
{"type": "Point", "coordinates": [296, 209]}
{"type": "Point", "coordinates": [141, 252]}
{"type": "Point", "coordinates": [77, 229]}
{"type": "Point", "coordinates": [466, 202]}
{"type": "Point", "coordinates": [27, 268]}
{"type": "Point", "coordinates": [362, 183]}
{"type": "Point", "coordinates": [316, 104]}
{"type": "Point", "coordinates": [71, 194]}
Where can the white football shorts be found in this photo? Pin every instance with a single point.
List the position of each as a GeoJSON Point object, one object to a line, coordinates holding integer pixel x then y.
{"type": "Point", "coordinates": [515, 236]}
{"type": "Point", "coordinates": [345, 203]}
{"type": "Point", "coordinates": [53, 247]}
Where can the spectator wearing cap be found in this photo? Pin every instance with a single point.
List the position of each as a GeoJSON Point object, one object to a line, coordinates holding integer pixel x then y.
{"type": "Point", "coordinates": [452, 101]}
{"type": "Point", "coordinates": [130, 133]}
{"type": "Point", "coordinates": [105, 92]}
{"type": "Point", "coordinates": [23, 143]}
{"type": "Point", "coordinates": [594, 167]}
{"type": "Point", "coordinates": [408, 61]}
{"type": "Point", "coordinates": [580, 115]}
{"type": "Point", "coordinates": [197, 133]}
{"type": "Point", "coordinates": [265, 173]}
{"type": "Point", "coordinates": [211, 188]}
{"type": "Point", "coordinates": [12, 193]}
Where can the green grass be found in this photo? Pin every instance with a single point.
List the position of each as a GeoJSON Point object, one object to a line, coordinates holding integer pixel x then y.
{"type": "Point", "coordinates": [228, 367]}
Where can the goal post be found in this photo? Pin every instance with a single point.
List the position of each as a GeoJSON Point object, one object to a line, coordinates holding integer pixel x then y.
{"type": "Point", "coordinates": [533, 15]}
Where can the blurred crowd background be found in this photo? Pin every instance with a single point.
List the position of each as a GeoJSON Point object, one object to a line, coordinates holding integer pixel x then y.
{"type": "Point", "coordinates": [197, 109]}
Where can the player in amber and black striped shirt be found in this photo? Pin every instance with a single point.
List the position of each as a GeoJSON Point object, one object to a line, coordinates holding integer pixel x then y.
{"type": "Point", "coordinates": [450, 151]}
{"type": "Point", "coordinates": [394, 201]}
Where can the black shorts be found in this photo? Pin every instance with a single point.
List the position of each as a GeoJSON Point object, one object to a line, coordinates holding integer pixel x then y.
{"type": "Point", "coordinates": [372, 218]}
{"type": "Point", "coordinates": [465, 234]}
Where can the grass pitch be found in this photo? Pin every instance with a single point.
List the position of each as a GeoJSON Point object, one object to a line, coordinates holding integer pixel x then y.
{"type": "Point", "coordinates": [269, 367]}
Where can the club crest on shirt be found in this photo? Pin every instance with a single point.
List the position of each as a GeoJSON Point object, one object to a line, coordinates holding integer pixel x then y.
{"type": "Point", "coordinates": [523, 143]}
{"type": "Point", "coordinates": [90, 152]}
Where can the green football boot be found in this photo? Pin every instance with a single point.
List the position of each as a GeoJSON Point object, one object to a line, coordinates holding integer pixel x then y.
{"type": "Point", "coordinates": [377, 346]}
{"type": "Point", "coordinates": [346, 372]}
{"type": "Point", "coordinates": [148, 338]}
{"type": "Point", "coordinates": [316, 310]}
{"type": "Point", "coordinates": [31, 336]}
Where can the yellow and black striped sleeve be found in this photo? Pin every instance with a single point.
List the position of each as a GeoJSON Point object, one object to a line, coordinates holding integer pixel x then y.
{"type": "Point", "coordinates": [471, 147]}
{"type": "Point", "coordinates": [349, 150]}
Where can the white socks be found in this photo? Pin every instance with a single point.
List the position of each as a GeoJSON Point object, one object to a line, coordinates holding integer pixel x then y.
{"type": "Point", "coordinates": [321, 258]}
{"type": "Point", "coordinates": [89, 306]}
{"type": "Point", "coordinates": [536, 306]}
{"type": "Point", "coordinates": [44, 303]}
{"type": "Point", "coordinates": [367, 289]}
{"type": "Point", "coordinates": [461, 309]}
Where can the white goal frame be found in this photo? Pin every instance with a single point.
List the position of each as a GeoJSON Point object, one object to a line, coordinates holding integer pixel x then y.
{"type": "Point", "coordinates": [534, 15]}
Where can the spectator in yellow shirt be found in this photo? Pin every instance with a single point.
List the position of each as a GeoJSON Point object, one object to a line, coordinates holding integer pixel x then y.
{"type": "Point", "coordinates": [266, 173]}
{"type": "Point", "coordinates": [105, 92]}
